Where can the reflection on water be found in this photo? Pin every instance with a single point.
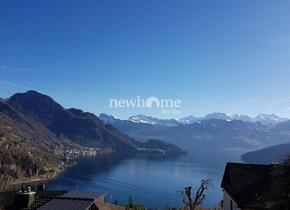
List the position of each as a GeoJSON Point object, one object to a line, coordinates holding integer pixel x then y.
{"type": "Point", "coordinates": [154, 182]}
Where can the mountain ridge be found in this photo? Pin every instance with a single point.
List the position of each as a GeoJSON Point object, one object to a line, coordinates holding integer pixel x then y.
{"type": "Point", "coordinates": [273, 154]}
{"type": "Point", "coordinates": [33, 125]}
{"type": "Point", "coordinates": [266, 119]}
{"type": "Point", "coordinates": [220, 134]}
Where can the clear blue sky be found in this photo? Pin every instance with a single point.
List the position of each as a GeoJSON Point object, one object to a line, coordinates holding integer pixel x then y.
{"type": "Point", "coordinates": [215, 55]}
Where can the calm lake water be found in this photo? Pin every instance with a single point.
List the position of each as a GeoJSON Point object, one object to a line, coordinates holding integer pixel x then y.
{"type": "Point", "coordinates": [155, 182]}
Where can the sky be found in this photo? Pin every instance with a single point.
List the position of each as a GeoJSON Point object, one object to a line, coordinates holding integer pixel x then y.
{"type": "Point", "coordinates": [228, 56]}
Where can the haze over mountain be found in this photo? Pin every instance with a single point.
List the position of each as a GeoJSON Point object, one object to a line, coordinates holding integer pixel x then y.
{"type": "Point", "coordinates": [273, 153]}
{"type": "Point", "coordinates": [265, 119]}
{"type": "Point", "coordinates": [218, 131]}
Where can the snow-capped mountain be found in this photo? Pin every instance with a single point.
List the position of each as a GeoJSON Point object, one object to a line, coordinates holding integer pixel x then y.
{"type": "Point", "coordinates": [241, 117]}
{"type": "Point", "coordinates": [108, 118]}
{"type": "Point", "coordinates": [224, 131]}
{"type": "Point", "coordinates": [152, 120]}
{"type": "Point", "coordinates": [271, 119]}
{"type": "Point", "coordinates": [264, 119]}
{"type": "Point", "coordinates": [188, 120]}
{"type": "Point", "coordinates": [217, 115]}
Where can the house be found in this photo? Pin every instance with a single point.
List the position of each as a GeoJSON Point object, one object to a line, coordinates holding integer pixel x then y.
{"type": "Point", "coordinates": [63, 200]}
{"type": "Point", "coordinates": [249, 186]}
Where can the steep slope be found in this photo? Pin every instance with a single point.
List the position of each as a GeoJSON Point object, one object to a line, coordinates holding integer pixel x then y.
{"type": "Point", "coordinates": [82, 128]}
{"type": "Point", "coordinates": [25, 146]}
{"type": "Point", "coordinates": [14, 121]}
{"type": "Point", "coordinates": [272, 154]}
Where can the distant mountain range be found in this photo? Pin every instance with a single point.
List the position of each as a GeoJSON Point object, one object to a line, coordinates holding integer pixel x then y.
{"type": "Point", "coordinates": [271, 154]}
{"type": "Point", "coordinates": [152, 120]}
{"type": "Point", "coordinates": [265, 119]}
{"type": "Point", "coordinates": [32, 125]}
{"type": "Point", "coordinates": [216, 131]}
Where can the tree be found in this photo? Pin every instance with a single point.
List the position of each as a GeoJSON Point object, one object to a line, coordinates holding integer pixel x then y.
{"type": "Point", "coordinates": [192, 202]}
{"type": "Point", "coordinates": [130, 204]}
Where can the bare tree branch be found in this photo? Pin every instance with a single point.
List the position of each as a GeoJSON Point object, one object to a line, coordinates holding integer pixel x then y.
{"type": "Point", "coordinates": [191, 202]}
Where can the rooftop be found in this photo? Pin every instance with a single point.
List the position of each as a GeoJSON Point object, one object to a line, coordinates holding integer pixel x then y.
{"type": "Point", "coordinates": [250, 185]}
{"type": "Point", "coordinates": [71, 204]}
{"type": "Point", "coordinates": [60, 200]}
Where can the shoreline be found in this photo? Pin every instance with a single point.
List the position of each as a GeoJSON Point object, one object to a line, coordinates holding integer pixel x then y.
{"type": "Point", "coordinates": [43, 179]}
{"type": "Point", "coordinates": [16, 184]}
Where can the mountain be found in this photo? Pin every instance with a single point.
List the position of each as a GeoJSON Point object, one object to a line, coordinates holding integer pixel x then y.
{"type": "Point", "coordinates": [271, 119]}
{"type": "Point", "coordinates": [33, 125]}
{"type": "Point", "coordinates": [268, 155]}
{"type": "Point", "coordinates": [229, 132]}
{"type": "Point", "coordinates": [138, 131]}
{"type": "Point", "coordinates": [188, 120]}
{"type": "Point", "coordinates": [241, 117]}
{"type": "Point", "coordinates": [216, 116]}
{"type": "Point", "coordinates": [152, 120]}
{"type": "Point", "coordinates": [25, 146]}
{"type": "Point", "coordinates": [274, 153]}
{"type": "Point", "coordinates": [159, 147]}
{"type": "Point", "coordinates": [283, 128]}
{"type": "Point", "coordinates": [216, 134]}
{"type": "Point", "coordinates": [265, 119]}
{"type": "Point", "coordinates": [108, 118]}
{"type": "Point", "coordinates": [79, 127]}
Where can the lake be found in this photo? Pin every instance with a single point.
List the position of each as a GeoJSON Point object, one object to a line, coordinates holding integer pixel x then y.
{"type": "Point", "coordinates": [155, 182]}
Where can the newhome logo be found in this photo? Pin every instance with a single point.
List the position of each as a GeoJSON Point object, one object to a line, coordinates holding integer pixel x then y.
{"type": "Point", "coordinates": [167, 106]}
